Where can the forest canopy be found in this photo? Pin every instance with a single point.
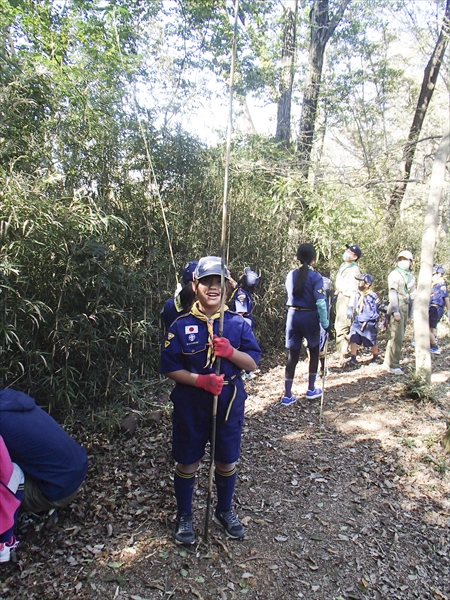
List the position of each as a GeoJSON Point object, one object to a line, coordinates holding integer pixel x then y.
{"type": "Point", "coordinates": [112, 146]}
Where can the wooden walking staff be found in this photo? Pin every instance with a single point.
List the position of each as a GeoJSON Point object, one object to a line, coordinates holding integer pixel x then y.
{"type": "Point", "coordinates": [222, 277]}
{"type": "Point", "coordinates": [326, 349]}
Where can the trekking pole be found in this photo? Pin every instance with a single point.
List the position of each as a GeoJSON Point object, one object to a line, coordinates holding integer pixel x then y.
{"type": "Point", "coordinates": [326, 348]}
{"type": "Point", "coordinates": [212, 441]}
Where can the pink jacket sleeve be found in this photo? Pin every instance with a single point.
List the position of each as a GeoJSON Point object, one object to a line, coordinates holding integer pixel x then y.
{"type": "Point", "coordinates": [8, 502]}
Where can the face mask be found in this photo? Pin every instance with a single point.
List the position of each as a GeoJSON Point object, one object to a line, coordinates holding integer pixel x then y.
{"type": "Point", "coordinates": [347, 257]}
{"type": "Point", "coordinates": [404, 264]}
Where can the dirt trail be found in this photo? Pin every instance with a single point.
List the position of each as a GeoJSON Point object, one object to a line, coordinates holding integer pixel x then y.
{"type": "Point", "coordinates": [358, 508]}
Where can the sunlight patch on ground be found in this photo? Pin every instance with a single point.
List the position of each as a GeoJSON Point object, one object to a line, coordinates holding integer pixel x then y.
{"type": "Point", "coordinates": [440, 377]}
{"type": "Point", "coordinates": [380, 424]}
{"type": "Point", "coordinates": [295, 436]}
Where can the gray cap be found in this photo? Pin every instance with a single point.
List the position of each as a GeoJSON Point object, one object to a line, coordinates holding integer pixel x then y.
{"type": "Point", "coordinates": [210, 265]}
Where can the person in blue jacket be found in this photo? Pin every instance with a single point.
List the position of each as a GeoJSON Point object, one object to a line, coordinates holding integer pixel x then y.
{"type": "Point", "coordinates": [439, 301]}
{"type": "Point", "coordinates": [189, 356]}
{"type": "Point", "coordinates": [306, 309]}
{"type": "Point", "coordinates": [242, 302]}
{"type": "Point", "coordinates": [54, 464]}
{"type": "Point", "coordinates": [242, 297]}
{"type": "Point", "coordinates": [364, 327]}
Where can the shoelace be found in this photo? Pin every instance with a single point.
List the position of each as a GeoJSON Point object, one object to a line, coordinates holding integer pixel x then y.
{"type": "Point", "coordinates": [232, 519]}
{"type": "Point", "coordinates": [12, 545]}
{"type": "Point", "coordinates": [184, 526]}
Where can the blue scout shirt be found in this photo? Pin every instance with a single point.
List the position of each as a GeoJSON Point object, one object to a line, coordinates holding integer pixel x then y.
{"type": "Point", "coordinates": [439, 292]}
{"type": "Point", "coordinates": [367, 314]}
{"type": "Point", "coordinates": [41, 447]}
{"type": "Point", "coordinates": [187, 346]}
{"type": "Point", "coordinates": [243, 303]}
{"type": "Point", "coordinates": [302, 320]}
{"type": "Point", "coordinates": [312, 291]}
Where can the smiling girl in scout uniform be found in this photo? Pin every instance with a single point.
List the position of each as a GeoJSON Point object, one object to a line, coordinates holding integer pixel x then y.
{"type": "Point", "coordinates": [189, 358]}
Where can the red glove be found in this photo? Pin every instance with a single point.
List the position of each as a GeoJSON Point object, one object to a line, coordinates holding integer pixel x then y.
{"type": "Point", "coordinates": [211, 383]}
{"type": "Point", "coordinates": [222, 347]}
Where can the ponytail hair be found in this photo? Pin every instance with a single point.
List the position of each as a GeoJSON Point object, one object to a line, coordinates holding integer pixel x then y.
{"type": "Point", "coordinates": [306, 253]}
{"type": "Point", "coordinates": [187, 297]}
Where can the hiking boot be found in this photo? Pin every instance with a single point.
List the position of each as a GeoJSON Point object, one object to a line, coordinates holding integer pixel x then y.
{"type": "Point", "coordinates": [435, 350]}
{"type": "Point", "coordinates": [230, 523]}
{"type": "Point", "coordinates": [184, 530]}
{"type": "Point", "coordinates": [352, 363]}
{"type": "Point", "coordinates": [6, 548]}
{"type": "Point", "coordinates": [313, 394]}
{"type": "Point", "coordinates": [287, 400]}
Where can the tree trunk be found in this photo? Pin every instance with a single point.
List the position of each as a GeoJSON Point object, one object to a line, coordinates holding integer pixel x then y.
{"type": "Point", "coordinates": [421, 323]}
{"type": "Point", "coordinates": [283, 133]}
{"type": "Point", "coordinates": [322, 28]}
{"type": "Point", "coordinates": [426, 92]}
{"type": "Point", "coordinates": [445, 442]}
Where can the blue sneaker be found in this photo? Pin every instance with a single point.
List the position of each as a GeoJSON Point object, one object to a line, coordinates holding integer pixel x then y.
{"type": "Point", "coordinates": [287, 400]}
{"type": "Point", "coordinates": [313, 394]}
{"type": "Point", "coordinates": [435, 350]}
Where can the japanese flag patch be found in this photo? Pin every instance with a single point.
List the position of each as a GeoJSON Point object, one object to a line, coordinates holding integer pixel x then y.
{"type": "Point", "coordinates": [190, 329]}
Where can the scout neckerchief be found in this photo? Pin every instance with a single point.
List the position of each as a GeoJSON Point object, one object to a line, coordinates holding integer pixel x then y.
{"type": "Point", "coordinates": [196, 312]}
{"type": "Point", "coordinates": [407, 278]}
{"type": "Point", "coordinates": [177, 303]}
{"type": "Point", "coordinates": [233, 293]}
{"type": "Point", "coordinates": [362, 295]}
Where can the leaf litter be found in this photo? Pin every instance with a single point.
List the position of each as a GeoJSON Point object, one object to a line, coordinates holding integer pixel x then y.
{"type": "Point", "coordinates": [356, 509]}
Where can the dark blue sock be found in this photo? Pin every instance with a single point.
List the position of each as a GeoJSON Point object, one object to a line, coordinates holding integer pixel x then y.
{"type": "Point", "coordinates": [184, 489]}
{"type": "Point", "coordinates": [288, 387]}
{"type": "Point", "coordinates": [225, 482]}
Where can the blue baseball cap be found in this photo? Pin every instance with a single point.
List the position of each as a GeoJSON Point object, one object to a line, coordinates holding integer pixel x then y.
{"type": "Point", "coordinates": [210, 265]}
{"type": "Point", "coordinates": [252, 277]}
{"type": "Point", "coordinates": [355, 249]}
{"type": "Point", "coordinates": [188, 271]}
{"type": "Point", "coordinates": [366, 277]}
{"type": "Point", "coordinates": [438, 269]}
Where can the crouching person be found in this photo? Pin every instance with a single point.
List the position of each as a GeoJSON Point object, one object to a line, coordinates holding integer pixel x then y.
{"type": "Point", "coordinates": [53, 463]}
{"type": "Point", "coordinates": [11, 493]}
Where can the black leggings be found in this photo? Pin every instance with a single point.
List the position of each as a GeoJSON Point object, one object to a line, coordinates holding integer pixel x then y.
{"type": "Point", "coordinates": [293, 358]}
